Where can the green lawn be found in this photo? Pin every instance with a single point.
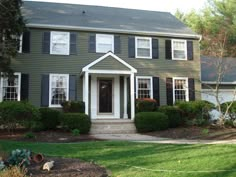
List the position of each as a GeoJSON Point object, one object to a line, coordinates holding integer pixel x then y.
{"type": "Point", "coordinates": [127, 159]}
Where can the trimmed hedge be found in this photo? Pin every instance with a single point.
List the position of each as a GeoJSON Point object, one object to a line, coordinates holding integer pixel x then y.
{"type": "Point", "coordinates": [17, 112]}
{"type": "Point", "coordinates": [73, 106]}
{"type": "Point", "coordinates": [146, 105]}
{"type": "Point", "coordinates": [49, 118]}
{"type": "Point", "coordinates": [151, 121]}
{"type": "Point", "coordinates": [78, 121]}
{"type": "Point", "coordinates": [174, 115]}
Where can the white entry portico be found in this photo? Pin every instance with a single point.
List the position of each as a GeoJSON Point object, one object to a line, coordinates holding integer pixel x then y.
{"type": "Point", "coordinates": [103, 88]}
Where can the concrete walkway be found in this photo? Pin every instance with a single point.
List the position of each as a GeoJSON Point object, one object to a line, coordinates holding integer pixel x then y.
{"type": "Point", "coordinates": [152, 139]}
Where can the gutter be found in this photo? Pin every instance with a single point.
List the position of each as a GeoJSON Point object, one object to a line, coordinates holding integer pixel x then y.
{"type": "Point", "coordinates": [149, 33]}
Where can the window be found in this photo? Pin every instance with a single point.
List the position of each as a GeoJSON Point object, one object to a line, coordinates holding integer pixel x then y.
{"type": "Point", "coordinates": [104, 43]}
{"type": "Point", "coordinates": [144, 87]}
{"type": "Point", "coordinates": [179, 50]}
{"type": "Point", "coordinates": [143, 47]}
{"type": "Point", "coordinates": [58, 89]}
{"type": "Point", "coordinates": [60, 43]}
{"type": "Point", "coordinates": [10, 88]}
{"type": "Point", "coordinates": [180, 90]}
{"type": "Point", "coordinates": [19, 47]}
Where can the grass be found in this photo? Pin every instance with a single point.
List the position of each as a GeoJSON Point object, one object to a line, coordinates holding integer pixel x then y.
{"type": "Point", "coordinates": [127, 159]}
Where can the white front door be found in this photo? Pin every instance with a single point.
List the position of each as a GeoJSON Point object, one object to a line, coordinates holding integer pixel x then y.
{"type": "Point", "coordinates": [105, 96]}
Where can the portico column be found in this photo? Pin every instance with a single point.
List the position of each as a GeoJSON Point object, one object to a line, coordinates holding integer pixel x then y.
{"type": "Point", "coordinates": [132, 101]}
{"type": "Point", "coordinates": [125, 116]}
{"type": "Point", "coordinates": [86, 92]}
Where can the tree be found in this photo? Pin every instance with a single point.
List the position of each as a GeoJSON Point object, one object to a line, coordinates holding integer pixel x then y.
{"type": "Point", "coordinates": [12, 26]}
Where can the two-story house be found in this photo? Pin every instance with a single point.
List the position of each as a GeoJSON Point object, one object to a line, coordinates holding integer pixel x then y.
{"type": "Point", "coordinates": [105, 56]}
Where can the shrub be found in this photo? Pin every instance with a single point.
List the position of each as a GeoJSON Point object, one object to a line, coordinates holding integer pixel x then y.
{"type": "Point", "coordinates": [13, 171]}
{"type": "Point", "coordinates": [15, 112]}
{"type": "Point", "coordinates": [49, 118]}
{"type": "Point", "coordinates": [73, 106]}
{"type": "Point", "coordinates": [198, 111]}
{"type": "Point", "coordinates": [75, 132]}
{"type": "Point", "coordinates": [37, 126]}
{"type": "Point", "coordinates": [146, 105]}
{"type": "Point", "coordinates": [79, 121]}
{"type": "Point", "coordinates": [174, 115]}
{"type": "Point", "coordinates": [19, 157]}
{"type": "Point", "coordinates": [151, 121]}
{"type": "Point", "coordinates": [232, 109]}
{"type": "Point", "coordinates": [29, 135]}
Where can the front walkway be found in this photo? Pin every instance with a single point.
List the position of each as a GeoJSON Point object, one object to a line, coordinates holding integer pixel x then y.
{"type": "Point", "coordinates": [151, 139]}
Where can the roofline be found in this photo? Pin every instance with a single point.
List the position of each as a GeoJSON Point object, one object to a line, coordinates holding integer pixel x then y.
{"type": "Point", "coordinates": [35, 25]}
{"type": "Point", "coordinates": [221, 83]}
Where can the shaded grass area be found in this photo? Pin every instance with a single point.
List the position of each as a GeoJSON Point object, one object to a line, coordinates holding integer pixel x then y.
{"type": "Point", "coordinates": [125, 159]}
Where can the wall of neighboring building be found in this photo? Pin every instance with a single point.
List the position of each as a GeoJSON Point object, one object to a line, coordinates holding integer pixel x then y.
{"type": "Point", "coordinates": [35, 64]}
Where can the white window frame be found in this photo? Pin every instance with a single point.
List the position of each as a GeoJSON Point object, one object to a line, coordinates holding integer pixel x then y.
{"type": "Point", "coordinates": [50, 89]}
{"type": "Point", "coordinates": [186, 89]}
{"type": "Point", "coordinates": [185, 49]}
{"type": "Point", "coordinates": [104, 35]}
{"type": "Point", "coordinates": [20, 43]}
{"type": "Point", "coordinates": [136, 47]}
{"type": "Point", "coordinates": [51, 42]}
{"type": "Point", "coordinates": [19, 86]}
{"type": "Point", "coordinates": [151, 85]}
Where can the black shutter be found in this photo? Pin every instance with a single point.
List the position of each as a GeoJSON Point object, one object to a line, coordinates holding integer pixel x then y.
{"type": "Point", "coordinates": [168, 50]}
{"type": "Point", "coordinates": [155, 48]}
{"type": "Point", "coordinates": [190, 50]}
{"type": "Point", "coordinates": [72, 87]}
{"type": "Point", "coordinates": [92, 43]}
{"type": "Point", "coordinates": [46, 43]}
{"type": "Point", "coordinates": [156, 90]}
{"type": "Point", "coordinates": [169, 91]}
{"type": "Point", "coordinates": [26, 42]}
{"type": "Point", "coordinates": [131, 46]}
{"type": "Point", "coordinates": [45, 90]}
{"type": "Point", "coordinates": [191, 89]}
{"type": "Point", "coordinates": [24, 89]}
{"type": "Point", "coordinates": [117, 44]}
{"type": "Point", "coordinates": [73, 37]}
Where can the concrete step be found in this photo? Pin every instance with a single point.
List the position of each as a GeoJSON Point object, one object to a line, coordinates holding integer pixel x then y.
{"type": "Point", "coordinates": [112, 126]}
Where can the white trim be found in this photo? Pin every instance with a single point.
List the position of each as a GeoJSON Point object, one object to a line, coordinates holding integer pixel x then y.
{"type": "Point", "coordinates": [18, 87]}
{"type": "Point", "coordinates": [149, 33]}
{"type": "Point", "coordinates": [224, 90]}
{"type": "Point", "coordinates": [125, 114]}
{"type": "Point", "coordinates": [132, 96]}
{"type": "Point", "coordinates": [151, 85]}
{"type": "Point", "coordinates": [105, 35]}
{"type": "Point", "coordinates": [68, 42]}
{"type": "Point", "coordinates": [172, 49]}
{"type": "Point", "coordinates": [86, 68]}
{"type": "Point", "coordinates": [221, 83]}
{"type": "Point", "coordinates": [50, 89]}
{"type": "Point", "coordinates": [109, 71]}
{"type": "Point", "coordinates": [136, 47]}
{"type": "Point", "coordinates": [187, 88]}
{"type": "Point", "coordinates": [20, 43]}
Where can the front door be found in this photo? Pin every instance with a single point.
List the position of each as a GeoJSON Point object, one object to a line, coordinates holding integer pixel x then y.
{"type": "Point", "coordinates": [105, 96]}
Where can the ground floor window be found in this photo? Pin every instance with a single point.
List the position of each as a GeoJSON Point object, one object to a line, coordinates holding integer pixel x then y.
{"type": "Point", "coordinates": [10, 88]}
{"type": "Point", "coordinates": [144, 87]}
{"type": "Point", "coordinates": [58, 89]}
{"type": "Point", "coordinates": [180, 91]}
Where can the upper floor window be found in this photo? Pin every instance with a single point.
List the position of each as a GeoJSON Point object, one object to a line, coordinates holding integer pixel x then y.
{"type": "Point", "coordinates": [104, 43]}
{"type": "Point", "coordinates": [60, 43]}
{"type": "Point", "coordinates": [19, 47]}
{"type": "Point", "coordinates": [143, 47]}
{"type": "Point", "coordinates": [180, 91]}
{"type": "Point", "coordinates": [179, 49]}
{"type": "Point", "coordinates": [144, 87]}
{"type": "Point", "coordinates": [58, 89]}
{"type": "Point", "coordinates": [10, 88]}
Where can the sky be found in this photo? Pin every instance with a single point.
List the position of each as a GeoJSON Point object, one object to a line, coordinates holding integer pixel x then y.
{"type": "Point", "coordinates": [156, 5]}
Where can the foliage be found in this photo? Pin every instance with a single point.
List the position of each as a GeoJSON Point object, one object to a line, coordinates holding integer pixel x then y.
{"type": "Point", "coordinates": [19, 157]}
{"type": "Point", "coordinates": [174, 115]}
{"type": "Point", "coordinates": [151, 121]}
{"type": "Point", "coordinates": [2, 165]}
{"type": "Point", "coordinates": [49, 118]}
{"type": "Point", "coordinates": [79, 121]}
{"type": "Point", "coordinates": [146, 105]}
{"type": "Point", "coordinates": [75, 132]}
{"type": "Point", "coordinates": [11, 26]}
{"type": "Point", "coordinates": [205, 132]}
{"type": "Point", "coordinates": [14, 171]}
{"type": "Point", "coordinates": [37, 126]}
{"type": "Point", "coordinates": [231, 111]}
{"type": "Point", "coordinates": [73, 106]}
{"type": "Point", "coordinates": [29, 135]}
{"type": "Point", "coordinates": [15, 112]}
